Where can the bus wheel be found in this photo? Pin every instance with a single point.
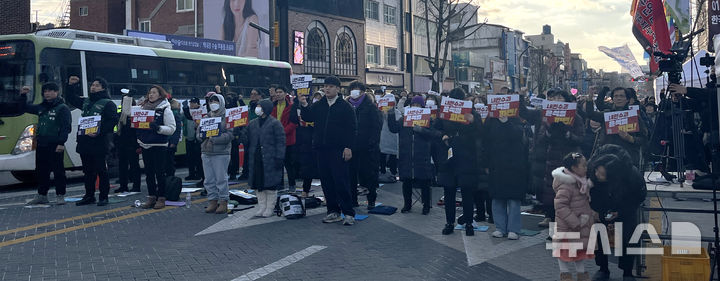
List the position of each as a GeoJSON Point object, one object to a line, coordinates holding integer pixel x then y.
{"type": "Point", "coordinates": [25, 176]}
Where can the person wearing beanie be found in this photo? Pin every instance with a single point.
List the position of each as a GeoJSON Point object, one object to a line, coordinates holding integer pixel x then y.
{"type": "Point", "coordinates": [216, 157]}
{"type": "Point", "coordinates": [267, 157]}
{"type": "Point", "coordinates": [415, 150]}
{"type": "Point", "coordinates": [458, 164]}
{"type": "Point", "coordinates": [364, 166]}
{"type": "Point", "coordinates": [333, 139]}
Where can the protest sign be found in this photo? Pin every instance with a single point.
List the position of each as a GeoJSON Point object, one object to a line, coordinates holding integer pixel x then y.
{"type": "Point", "coordinates": [88, 125]}
{"type": "Point", "coordinates": [455, 110]}
{"type": "Point", "coordinates": [536, 102]}
{"type": "Point", "coordinates": [503, 105]}
{"type": "Point", "coordinates": [300, 81]}
{"type": "Point", "coordinates": [555, 111]}
{"type": "Point", "coordinates": [198, 114]}
{"type": "Point", "coordinates": [483, 111]}
{"type": "Point", "coordinates": [210, 127]}
{"type": "Point", "coordinates": [433, 110]}
{"type": "Point", "coordinates": [416, 116]}
{"type": "Point", "coordinates": [385, 103]}
{"type": "Point", "coordinates": [626, 120]}
{"type": "Point", "coordinates": [140, 118]}
{"type": "Point", "coordinates": [236, 117]}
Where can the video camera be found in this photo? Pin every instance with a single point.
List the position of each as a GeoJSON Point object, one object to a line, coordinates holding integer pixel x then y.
{"type": "Point", "coordinates": [673, 63]}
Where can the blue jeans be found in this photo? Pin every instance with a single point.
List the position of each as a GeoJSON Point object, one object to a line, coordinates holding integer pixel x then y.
{"type": "Point", "coordinates": [507, 215]}
{"type": "Point", "coordinates": [216, 177]}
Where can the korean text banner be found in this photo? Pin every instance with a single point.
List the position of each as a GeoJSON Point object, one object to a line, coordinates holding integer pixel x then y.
{"type": "Point", "coordinates": [623, 56]}
{"type": "Point", "coordinates": [415, 116]}
{"type": "Point", "coordinates": [220, 23]}
{"type": "Point", "coordinates": [651, 29]}
{"type": "Point", "coordinates": [198, 114]}
{"type": "Point", "coordinates": [88, 125]}
{"type": "Point", "coordinates": [503, 105]}
{"type": "Point", "coordinates": [141, 119]}
{"type": "Point", "coordinates": [455, 110]}
{"type": "Point", "coordinates": [385, 103]}
{"type": "Point", "coordinates": [555, 111]}
{"type": "Point", "coordinates": [483, 110]}
{"type": "Point", "coordinates": [236, 117]}
{"type": "Point", "coordinates": [210, 127]}
{"type": "Point", "coordinates": [626, 120]}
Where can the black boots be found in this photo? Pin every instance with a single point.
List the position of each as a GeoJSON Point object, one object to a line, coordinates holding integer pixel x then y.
{"type": "Point", "coordinates": [449, 228]}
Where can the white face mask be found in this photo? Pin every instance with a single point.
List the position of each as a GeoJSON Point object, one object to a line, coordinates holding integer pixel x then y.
{"type": "Point", "coordinates": [478, 105]}
{"type": "Point", "coordinates": [430, 103]}
{"type": "Point", "coordinates": [315, 100]}
{"type": "Point", "coordinates": [214, 106]}
{"type": "Point", "coordinates": [258, 111]}
{"type": "Point", "coordinates": [355, 94]}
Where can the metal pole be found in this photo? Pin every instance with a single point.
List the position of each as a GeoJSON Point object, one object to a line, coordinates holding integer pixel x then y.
{"type": "Point", "coordinates": [195, 8]}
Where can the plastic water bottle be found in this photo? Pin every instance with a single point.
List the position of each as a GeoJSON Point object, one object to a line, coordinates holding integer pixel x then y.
{"type": "Point", "coordinates": [138, 203]}
{"type": "Point", "coordinates": [188, 200]}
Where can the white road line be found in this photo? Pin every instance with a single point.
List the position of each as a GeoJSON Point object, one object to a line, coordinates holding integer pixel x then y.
{"type": "Point", "coordinates": [270, 268]}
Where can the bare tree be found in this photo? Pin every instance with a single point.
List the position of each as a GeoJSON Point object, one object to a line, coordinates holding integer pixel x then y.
{"type": "Point", "coordinates": [454, 20]}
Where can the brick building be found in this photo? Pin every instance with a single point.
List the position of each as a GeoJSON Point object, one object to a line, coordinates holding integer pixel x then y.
{"type": "Point", "coordinates": [15, 17]}
{"type": "Point", "coordinates": [107, 16]}
{"type": "Point", "coordinates": [159, 16]}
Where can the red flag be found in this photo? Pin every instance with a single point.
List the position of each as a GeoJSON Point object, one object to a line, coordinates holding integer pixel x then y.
{"type": "Point", "coordinates": [651, 29]}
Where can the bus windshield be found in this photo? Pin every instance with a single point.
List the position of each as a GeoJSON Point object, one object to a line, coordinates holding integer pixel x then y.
{"type": "Point", "coordinates": [17, 70]}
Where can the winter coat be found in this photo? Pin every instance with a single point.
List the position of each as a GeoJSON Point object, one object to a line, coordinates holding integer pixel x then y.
{"type": "Point", "coordinates": [189, 125]}
{"type": "Point", "coordinates": [571, 204]}
{"type": "Point", "coordinates": [464, 149]}
{"type": "Point", "coordinates": [102, 142]}
{"type": "Point", "coordinates": [289, 120]}
{"type": "Point", "coordinates": [625, 189]}
{"type": "Point", "coordinates": [303, 146]}
{"type": "Point", "coordinates": [388, 139]}
{"type": "Point", "coordinates": [176, 137]}
{"type": "Point", "coordinates": [335, 126]}
{"type": "Point", "coordinates": [167, 128]}
{"type": "Point", "coordinates": [270, 139]}
{"type": "Point", "coordinates": [369, 125]}
{"type": "Point", "coordinates": [507, 158]}
{"type": "Point", "coordinates": [63, 119]}
{"type": "Point", "coordinates": [640, 137]}
{"type": "Point", "coordinates": [415, 149]}
{"type": "Point", "coordinates": [220, 144]}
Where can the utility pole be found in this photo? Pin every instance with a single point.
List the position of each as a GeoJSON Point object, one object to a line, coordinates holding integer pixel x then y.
{"type": "Point", "coordinates": [36, 16]}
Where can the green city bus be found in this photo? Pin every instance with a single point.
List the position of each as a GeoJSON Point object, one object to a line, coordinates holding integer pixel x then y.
{"type": "Point", "coordinates": [125, 62]}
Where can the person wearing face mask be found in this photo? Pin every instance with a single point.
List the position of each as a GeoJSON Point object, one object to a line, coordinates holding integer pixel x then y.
{"type": "Point", "coordinates": [267, 157]}
{"type": "Point", "coordinates": [94, 148]}
{"type": "Point", "coordinates": [389, 143]}
{"type": "Point", "coordinates": [255, 97]}
{"type": "Point", "coordinates": [415, 167]}
{"type": "Point", "coordinates": [618, 192]}
{"type": "Point", "coordinates": [632, 142]}
{"type": "Point", "coordinates": [53, 127]}
{"type": "Point", "coordinates": [216, 157]}
{"type": "Point", "coordinates": [363, 167]}
{"type": "Point", "coordinates": [333, 139]}
{"type": "Point", "coordinates": [154, 142]}
{"type": "Point", "coordinates": [551, 142]}
{"type": "Point", "coordinates": [458, 163]}
{"type": "Point", "coordinates": [283, 111]}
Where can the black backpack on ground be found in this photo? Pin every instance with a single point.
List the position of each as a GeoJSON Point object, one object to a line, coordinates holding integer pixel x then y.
{"type": "Point", "coordinates": [173, 188]}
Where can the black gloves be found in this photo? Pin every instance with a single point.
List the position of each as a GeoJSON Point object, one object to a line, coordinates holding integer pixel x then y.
{"type": "Point", "coordinates": [154, 127]}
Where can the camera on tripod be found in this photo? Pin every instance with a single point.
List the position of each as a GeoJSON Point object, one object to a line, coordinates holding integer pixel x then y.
{"type": "Point", "coordinates": [672, 63]}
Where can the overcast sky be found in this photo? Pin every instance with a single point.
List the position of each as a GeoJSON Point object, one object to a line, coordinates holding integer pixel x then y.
{"type": "Point", "coordinates": [585, 24]}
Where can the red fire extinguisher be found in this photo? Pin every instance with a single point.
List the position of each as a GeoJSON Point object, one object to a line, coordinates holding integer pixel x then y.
{"type": "Point", "coordinates": [241, 154]}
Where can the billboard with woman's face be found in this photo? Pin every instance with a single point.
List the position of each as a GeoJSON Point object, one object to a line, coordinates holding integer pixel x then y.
{"type": "Point", "coordinates": [230, 20]}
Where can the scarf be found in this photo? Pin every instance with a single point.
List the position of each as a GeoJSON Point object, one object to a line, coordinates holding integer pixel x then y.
{"type": "Point", "coordinates": [356, 103]}
{"type": "Point", "coordinates": [148, 105]}
{"type": "Point", "coordinates": [584, 186]}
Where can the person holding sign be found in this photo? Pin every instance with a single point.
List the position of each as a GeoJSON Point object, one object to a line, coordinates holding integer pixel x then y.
{"type": "Point", "coordinates": [307, 159]}
{"type": "Point", "coordinates": [154, 142]}
{"type": "Point", "coordinates": [215, 148]}
{"type": "Point", "coordinates": [621, 125]}
{"type": "Point", "coordinates": [416, 140]}
{"type": "Point", "coordinates": [558, 132]}
{"type": "Point", "coordinates": [192, 143]}
{"type": "Point", "coordinates": [364, 166]}
{"type": "Point", "coordinates": [458, 162]}
{"type": "Point", "coordinates": [267, 157]}
{"type": "Point", "coordinates": [282, 111]}
{"type": "Point", "coordinates": [93, 145]}
{"type": "Point", "coordinates": [53, 127]}
{"type": "Point", "coordinates": [333, 139]}
{"type": "Point", "coordinates": [127, 147]}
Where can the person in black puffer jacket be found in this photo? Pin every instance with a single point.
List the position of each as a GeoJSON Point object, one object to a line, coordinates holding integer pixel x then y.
{"type": "Point", "coordinates": [364, 165]}
{"type": "Point", "coordinates": [619, 190]}
{"type": "Point", "coordinates": [460, 168]}
{"type": "Point", "coordinates": [307, 160]}
{"type": "Point", "coordinates": [414, 166]}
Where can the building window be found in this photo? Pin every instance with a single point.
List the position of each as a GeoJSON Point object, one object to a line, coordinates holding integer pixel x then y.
{"type": "Point", "coordinates": [145, 26]}
{"type": "Point", "coordinates": [185, 5]}
{"type": "Point", "coordinates": [372, 9]}
{"type": "Point", "coordinates": [373, 54]}
{"type": "Point", "coordinates": [345, 53]}
{"type": "Point", "coordinates": [389, 14]}
{"type": "Point", "coordinates": [83, 11]}
{"type": "Point", "coordinates": [390, 56]}
{"type": "Point", "coordinates": [317, 49]}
